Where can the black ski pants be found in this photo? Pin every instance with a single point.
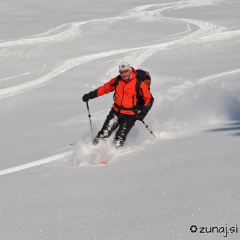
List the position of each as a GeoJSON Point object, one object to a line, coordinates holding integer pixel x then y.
{"type": "Point", "coordinates": [115, 119]}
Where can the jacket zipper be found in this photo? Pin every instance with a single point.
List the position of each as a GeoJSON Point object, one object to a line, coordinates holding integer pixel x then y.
{"type": "Point", "coordinates": [123, 94]}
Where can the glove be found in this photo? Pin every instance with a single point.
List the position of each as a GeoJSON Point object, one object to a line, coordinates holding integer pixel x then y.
{"type": "Point", "coordinates": [141, 114]}
{"type": "Point", "coordinates": [88, 96]}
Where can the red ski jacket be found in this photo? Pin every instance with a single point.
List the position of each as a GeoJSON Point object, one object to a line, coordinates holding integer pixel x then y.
{"type": "Point", "coordinates": [125, 95]}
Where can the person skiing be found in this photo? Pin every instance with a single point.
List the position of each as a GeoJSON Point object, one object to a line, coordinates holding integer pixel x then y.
{"type": "Point", "coordinates": [126, 109]}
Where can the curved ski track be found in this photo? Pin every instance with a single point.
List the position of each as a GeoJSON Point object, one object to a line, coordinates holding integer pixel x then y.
{"type": "Point", "coordinates": [206, 32]}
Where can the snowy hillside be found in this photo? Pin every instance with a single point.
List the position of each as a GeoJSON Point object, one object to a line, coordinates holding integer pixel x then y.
{"type": "Point", "coordinates": [53, 52]}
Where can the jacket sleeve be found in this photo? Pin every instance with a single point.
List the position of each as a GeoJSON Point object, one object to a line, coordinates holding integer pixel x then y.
{"type": "Point", "coordinates": [106, 88]}
{"type": "Point", "coordinates": [147, 96]}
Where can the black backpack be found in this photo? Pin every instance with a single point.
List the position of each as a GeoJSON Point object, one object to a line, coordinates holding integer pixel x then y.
{"type": "Point", "coordinates": [142, 76]}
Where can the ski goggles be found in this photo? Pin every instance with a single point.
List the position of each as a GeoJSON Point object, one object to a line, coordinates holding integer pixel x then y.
{"type": "Point", "coordinates": [123, 71]}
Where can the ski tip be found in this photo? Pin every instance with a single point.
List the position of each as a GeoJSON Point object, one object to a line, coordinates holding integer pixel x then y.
{"type": "Point", "coordinates": [103, 163]}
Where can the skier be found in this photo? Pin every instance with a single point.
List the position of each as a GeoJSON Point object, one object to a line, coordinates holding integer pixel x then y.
{"type": "Point", "coordinates": [125, 110]}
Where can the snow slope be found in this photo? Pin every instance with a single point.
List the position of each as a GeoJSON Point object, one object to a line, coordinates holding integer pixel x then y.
{"type": "Point", "coordinates": [51, 53]}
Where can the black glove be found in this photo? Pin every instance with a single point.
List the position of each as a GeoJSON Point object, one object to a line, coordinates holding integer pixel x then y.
{"type": "Point", "coordinates": [141, 114]}
{"type": "Point", "coordinates": [90, 95]}
{"type": "Point", "coordinates": [86, 97]}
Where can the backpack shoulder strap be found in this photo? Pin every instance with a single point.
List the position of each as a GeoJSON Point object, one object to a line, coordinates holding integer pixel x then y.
{"type": "Point", "coordinates": [117, 81]}
{"type": "Point", "coordinates": [138, 83]}
{"type": "Point", "coordinates": [115, 84]}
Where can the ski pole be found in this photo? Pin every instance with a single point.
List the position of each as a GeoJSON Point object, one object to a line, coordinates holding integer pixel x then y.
{"type": "Point", "coordinates": [89, 116]}
{"type": "Point", "coordinates": [148, 128]}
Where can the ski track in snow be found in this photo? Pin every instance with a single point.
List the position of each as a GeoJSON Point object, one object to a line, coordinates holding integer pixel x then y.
{"type": "Point", "coordinates": [109, 155]}
{"type": "Point", "coordinates": [36, 163]}
{"type": "Point", "coordinates": [175, 92]}
{"type": "Point", "coordinates": [20, 75]}
{"type": "Point", "coordinates": [206, 32]}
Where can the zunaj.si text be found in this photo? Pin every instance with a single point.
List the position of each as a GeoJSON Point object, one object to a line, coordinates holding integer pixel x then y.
{"type": "Point", "coordinates": [224, 230]}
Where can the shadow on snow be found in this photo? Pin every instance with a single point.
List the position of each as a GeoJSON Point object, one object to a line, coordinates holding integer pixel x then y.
{"type": "Point", "coordinates": [235, 127]}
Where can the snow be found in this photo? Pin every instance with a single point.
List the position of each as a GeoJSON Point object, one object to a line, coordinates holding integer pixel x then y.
{"type": "Point", "coordinates": [53, 52]}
